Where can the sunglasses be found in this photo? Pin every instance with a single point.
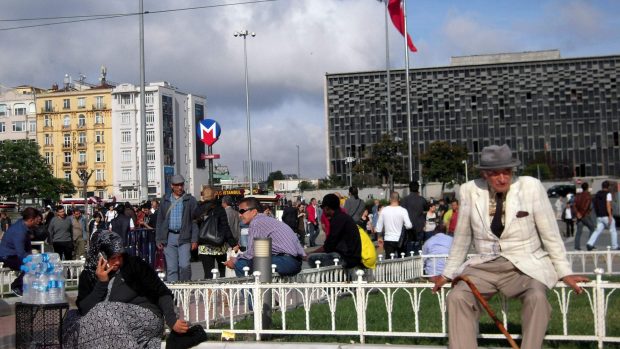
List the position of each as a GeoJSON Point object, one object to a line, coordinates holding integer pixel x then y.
{"type": "Point", "coordinates": [244, 210]}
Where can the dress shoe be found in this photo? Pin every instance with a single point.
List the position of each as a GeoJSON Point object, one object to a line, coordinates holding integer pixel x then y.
{"type": "Point", "coordinates": [590, 247]}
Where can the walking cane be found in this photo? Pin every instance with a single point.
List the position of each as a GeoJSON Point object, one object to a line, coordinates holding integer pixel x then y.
{"type": "Point", "coordinates": [486, 307]}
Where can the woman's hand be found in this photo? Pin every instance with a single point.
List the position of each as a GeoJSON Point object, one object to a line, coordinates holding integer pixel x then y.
{"type": "Point", "coordinates": [180, 326]}
{"type": "Point", "coordinates": [103, 270]}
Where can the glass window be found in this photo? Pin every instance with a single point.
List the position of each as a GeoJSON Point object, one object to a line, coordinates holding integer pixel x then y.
{"type": "Point", "coordinates": [66, 139]}
{"type": "Point", "coordinates": [150, 137]}
{"type": "Point", "coordinates": [81, 102]}
{"type": "Point", "coordinates": [150, 154]}
{"type": "Point", "coordinates": [126, 155]}
{"type": "Point", "coordinates": [67, 157]}
{"type": "Point", "coordinates": [99, 175]}
{"type": "Point", "coordinates": [126, 174]}
{"type": "Point", "coordinates": [150, 117]}
{"type": "Point", "coordinates": [48, 121]}
{"type": "Point", "coordinates": [49, 157]}
{"type": "Point", "coordinates": [81, 120]}
{"type": "Point", "coordinates": [68, 175]}
{"type": "Point", "coordinates": [19, 126]}
{"type": "Point", "coordinates": [125, 117]}
{"type": "Point", "coordinates": [48, 105]}
{"type": "Point", "coordinates": [98, 136]}
{"type": "Point", "coordinates": [20, 109]}
{"type": "Point", "coordinates": [150, 173]}
{"type": "Point", "coordinates": [82, 157]}
{"type": "Point", "coordinates": [98, 118]}
{"type": "Point", "coordinates": [3, 110]}
{"type": "Point", "coordinates": [66, 103]}
{"type": "Point", "coordinates": [99, 102]}
{"type": "Point", "coordinates": [82, 138]}
{"type": "Point", "coordinates": [99, 156]}
{"type": "Point", "coordinates": [66, 121]}
{"type": "Point", "coordinates": [125, 137]}
{"type": "Point", "coordinates": [148, 98]}
{"type": "Point", "coordinates": [32, 126]}
{"type": "Point", "coordinates": [48, 139]}
{"type": "Point", "coordinates": [2, 127]}
{"type": "Point", "coordinates": [126, 98]}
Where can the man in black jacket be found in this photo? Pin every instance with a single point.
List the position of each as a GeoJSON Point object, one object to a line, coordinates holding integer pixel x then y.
{"type": "Point", "coordinates": [343, 241]}
{"type": "Point", "coordinates": [416, 205]}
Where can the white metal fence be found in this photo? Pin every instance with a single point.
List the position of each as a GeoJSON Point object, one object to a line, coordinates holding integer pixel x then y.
{"type": "Point", "coordinates": [219, 303]}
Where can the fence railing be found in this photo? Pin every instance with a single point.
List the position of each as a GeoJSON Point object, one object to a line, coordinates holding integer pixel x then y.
{"type": "Point", "coordinates": [219, 305]}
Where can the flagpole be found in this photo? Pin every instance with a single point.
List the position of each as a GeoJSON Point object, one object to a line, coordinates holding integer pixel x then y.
{"type": "Point", "coordinates": [410, 152]}
{"type": "Point", "coordinates": [387, 69]}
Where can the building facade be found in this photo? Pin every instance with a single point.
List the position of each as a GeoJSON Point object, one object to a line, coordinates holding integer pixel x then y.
{"type": "Point", "coordinates": [74, 134]}
{"type": "Point", "coordinates": [565, 110]}
{"type": "Point", "coordinates": [18, 113]}
{"type": "Point", "coordinates": [171, 140]}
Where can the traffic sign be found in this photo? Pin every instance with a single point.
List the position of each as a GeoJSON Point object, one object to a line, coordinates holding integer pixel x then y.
{"type": "Point", "coordinates": [209, 131]}
{"type": "Point", "coordinates": [209, 156]}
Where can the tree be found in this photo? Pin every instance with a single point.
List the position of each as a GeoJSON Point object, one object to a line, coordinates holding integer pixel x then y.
{"type": "Point", "coordinates": [540, 171]}
{"type": "Point", "coordinates": [24, 173]}
{"type": "Point", "coordinates": [305, 185]}
{"type": "Point", "coordinates": [333, 181]}
{"type": "Point", "coordinates": [443, 162]}
{"type": "Point", "coordinates": [273, 176]}
{"type": "Point", "coordinates": [385, 160]}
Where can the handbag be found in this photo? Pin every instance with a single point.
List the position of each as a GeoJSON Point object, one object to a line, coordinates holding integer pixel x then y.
{"type": "Point", "coordinates": [208, 233]}
{"type": "Point", "coordinates": [194, 336]}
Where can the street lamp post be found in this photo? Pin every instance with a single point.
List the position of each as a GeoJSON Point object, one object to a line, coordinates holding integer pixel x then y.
{"type": "Point", "coordinates": [244, 34]}
{"type": "Point", "coordinates": [464, 162]}
{"type": "Point", "coordinates": [349, 160]}
{"type": "Point", "coordinates": [298, 172]}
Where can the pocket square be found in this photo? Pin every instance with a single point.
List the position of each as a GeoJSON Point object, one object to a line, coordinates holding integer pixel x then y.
{"type": "Point", "coordinates": [521, 214]}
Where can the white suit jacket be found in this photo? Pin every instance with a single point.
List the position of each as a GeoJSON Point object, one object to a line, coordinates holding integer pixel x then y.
{"type": "Point", "coordinates": [531, 239]}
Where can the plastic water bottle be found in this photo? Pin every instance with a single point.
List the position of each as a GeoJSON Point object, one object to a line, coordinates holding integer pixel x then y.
{"type": "Point", "coordinates": [53, 258]}
{"type": "Point", "coordinates": [27, 284]}
{"type": "Point", "coordinates": [56, 286]}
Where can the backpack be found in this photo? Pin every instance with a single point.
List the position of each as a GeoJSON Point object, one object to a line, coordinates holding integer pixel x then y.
{"type": "Point", "coordinates": [369, 253]}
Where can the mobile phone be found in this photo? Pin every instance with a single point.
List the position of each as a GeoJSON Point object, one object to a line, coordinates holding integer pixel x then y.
{"type": "Point", "coordinates": [101, 255]}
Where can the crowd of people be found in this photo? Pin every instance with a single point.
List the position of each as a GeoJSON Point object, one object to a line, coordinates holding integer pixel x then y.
{"type": "Point", "coordinates": [117, 286]}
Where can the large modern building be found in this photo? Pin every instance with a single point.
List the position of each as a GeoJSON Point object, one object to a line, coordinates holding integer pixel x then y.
{"type": "Point", "coordinates": [74, 134]}
{"type": "Point", "coordinates": [565, 109]}
{"type": "Point", "coordinates": [171, 140]}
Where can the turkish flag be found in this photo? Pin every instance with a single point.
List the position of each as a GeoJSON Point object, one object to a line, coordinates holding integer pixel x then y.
{"type": "Point", "coordinates": [398, 18]}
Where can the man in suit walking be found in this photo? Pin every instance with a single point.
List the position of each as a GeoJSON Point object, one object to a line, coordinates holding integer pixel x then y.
{"type": "Point", "coordinates": [520, 250]}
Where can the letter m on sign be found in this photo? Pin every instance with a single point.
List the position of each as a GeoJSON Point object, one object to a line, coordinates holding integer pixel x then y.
{"type": "Point", "coordinates": [209, 131]}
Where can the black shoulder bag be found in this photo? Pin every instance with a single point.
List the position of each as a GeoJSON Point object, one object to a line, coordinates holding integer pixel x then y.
{"type": "Point", "coordinates": [208, 233]}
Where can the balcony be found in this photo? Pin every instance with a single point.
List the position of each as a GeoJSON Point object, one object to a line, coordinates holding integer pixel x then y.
{"type": "Point", "coordinates": [66, 165]}
{"type": "Point", "coordinates": [100, 183]}
{"type": "Point", "coordinates": [82, 165]}
{"type": "Point", "coordinates": [66, 146]}
{"type": "Point", "coordinates": [48, 110]}
{"type": "Point", "coordinates": [81, 145]}
{"type": "Point", "coordinates": [66, 127]}
{"type": "Point", "coordinates": [100, 106]}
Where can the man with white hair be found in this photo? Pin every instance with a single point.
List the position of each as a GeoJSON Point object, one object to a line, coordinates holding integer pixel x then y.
{"type": "Point", "coordinates": [520, 251]}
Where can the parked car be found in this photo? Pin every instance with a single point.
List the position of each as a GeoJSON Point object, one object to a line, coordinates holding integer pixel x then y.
{"type": "Point", "coordinates": [560, 190]}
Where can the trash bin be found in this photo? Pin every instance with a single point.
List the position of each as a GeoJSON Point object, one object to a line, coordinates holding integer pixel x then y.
{"type": "Point", "coordinates": [39, 325]}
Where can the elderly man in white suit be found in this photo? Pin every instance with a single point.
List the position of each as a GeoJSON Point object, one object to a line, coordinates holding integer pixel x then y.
{"type": "Point", "coordinates": [520, 251]}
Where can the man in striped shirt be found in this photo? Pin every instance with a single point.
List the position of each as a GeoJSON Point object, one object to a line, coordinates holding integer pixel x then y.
{"type": "Point", "coordinates": [286, 251]}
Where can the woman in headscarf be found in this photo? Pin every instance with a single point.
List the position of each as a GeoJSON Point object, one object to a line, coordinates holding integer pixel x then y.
{"type": "Point", "coordinates": [121, 301]}
{"type": "Point", "coordinates": [213, 256]}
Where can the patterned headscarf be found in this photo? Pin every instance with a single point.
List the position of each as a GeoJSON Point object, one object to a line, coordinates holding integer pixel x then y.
{"type": "Point", "coordinates": [105, 241]}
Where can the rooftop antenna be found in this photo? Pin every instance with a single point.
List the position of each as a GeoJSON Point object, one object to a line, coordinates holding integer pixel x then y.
{"type": "Point", "coordinates": [104, 72]}
{"type": "Point", "coordinates": [67, 81]}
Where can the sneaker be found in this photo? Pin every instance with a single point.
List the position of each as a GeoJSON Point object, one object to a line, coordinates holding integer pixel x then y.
{"type": "Point", "coordinates": [590, 247]}
{"type": "Point", "coordinates": [16, 291]}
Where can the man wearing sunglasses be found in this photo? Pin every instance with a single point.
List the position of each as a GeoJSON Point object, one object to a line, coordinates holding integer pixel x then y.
{"type": "Point", "coordinates": [286, 252]}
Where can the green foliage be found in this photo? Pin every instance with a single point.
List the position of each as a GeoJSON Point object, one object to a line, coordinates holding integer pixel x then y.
{"type": "Point", "coordinates": [533, 170]}
{"type": "Point", "coordinates": [277, 175]}
{"type": "Point", "coordinates": [385, 160]}
{"type": "Point", "coordinates": [305, 185]}
{"type": "Point", "coordinates": [333, 181]}
{"type": "Point", "coordinates": [443, 162]}
{"type": "Point", "coordinates": [24, 173]}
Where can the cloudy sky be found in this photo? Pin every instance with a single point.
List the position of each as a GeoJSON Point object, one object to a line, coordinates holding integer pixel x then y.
{"type": "Point", "coordinates": [297, 42]}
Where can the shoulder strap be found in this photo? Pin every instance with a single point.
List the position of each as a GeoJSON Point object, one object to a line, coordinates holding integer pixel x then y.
{"type": "Point", "coordinates": [170, 208]}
